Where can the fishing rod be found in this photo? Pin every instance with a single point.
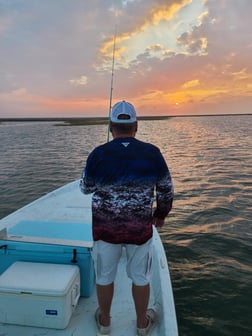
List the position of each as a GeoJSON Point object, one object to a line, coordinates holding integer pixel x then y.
{"type": "Point", "coordinates": [112, 81]}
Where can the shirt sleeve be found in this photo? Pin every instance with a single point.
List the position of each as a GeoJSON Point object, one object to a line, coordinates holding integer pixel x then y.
{"type": "Point", "coordinates": [86, 187]}
{"type": "Point", "coordinates": [87, 183]}
{"type": "Point", "coordinates": [164, 192]}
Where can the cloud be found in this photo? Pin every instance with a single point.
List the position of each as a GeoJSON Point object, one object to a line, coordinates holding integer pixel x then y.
{"type": "Point", "coordinates": [21, 92]}
{"type": "Point", "coordinates": [191, 84]}
{"type": "Point", "coordinates": [83, 80]}
{"type": "Point", "coordinates": [155, 47]}
{"type": "Point", "coordinates": [152, 13]}
{"type": "Point", "coordinates": [190, 52]}
{"type": "Point", "coordinates": [165, 11]}
{"type": "Point", "coordinates": [193, 45]}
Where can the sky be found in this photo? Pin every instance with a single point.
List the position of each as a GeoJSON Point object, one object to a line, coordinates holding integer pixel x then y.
{"type": "Point", "coordinates": [171, 57]}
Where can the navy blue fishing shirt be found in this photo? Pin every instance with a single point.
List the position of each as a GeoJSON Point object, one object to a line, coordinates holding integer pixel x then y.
{"type": "Point", "coordinates": [126, 176]}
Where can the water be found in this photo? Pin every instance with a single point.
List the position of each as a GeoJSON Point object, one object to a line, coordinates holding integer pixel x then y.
{"type": "Point", "coordinates": [208, 235]}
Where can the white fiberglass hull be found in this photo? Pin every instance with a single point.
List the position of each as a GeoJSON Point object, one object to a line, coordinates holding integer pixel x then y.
{"type": "Point", "coordinates": [68, 205]}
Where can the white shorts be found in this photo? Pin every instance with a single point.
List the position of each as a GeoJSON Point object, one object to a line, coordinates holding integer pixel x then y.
{"type": "Point", "coordinates": [106, 257]}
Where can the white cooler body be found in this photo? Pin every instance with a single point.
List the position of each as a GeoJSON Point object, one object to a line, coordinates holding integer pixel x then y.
{"type": "Point", "coordinates": [39, 294]}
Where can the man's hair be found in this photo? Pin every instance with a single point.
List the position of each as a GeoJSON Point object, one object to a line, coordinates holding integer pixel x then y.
{"type": "Point", "coordinates": [123, 128]}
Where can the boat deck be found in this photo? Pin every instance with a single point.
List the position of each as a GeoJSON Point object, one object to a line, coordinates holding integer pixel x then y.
{"type": "Point", "coordinates": [68, 205]}
{"type": "Point", "coordinates": [123, 319]}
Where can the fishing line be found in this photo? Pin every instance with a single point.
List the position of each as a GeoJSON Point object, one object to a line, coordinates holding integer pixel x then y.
{"type": "Point", "coordinates": [112, 81]}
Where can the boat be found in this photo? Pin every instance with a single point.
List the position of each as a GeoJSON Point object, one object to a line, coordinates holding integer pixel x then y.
{"type": "Point", "coordinates": [60, 222]}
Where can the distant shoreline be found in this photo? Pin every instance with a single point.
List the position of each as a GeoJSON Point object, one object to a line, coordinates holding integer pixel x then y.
{"type": "Point", "coordinates": [77, 121]}
{"type": "Point", "coordinates": [80, 121]}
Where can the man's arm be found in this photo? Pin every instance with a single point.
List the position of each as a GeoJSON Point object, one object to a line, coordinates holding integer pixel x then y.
{"type": "Point", "coordinates": [164, 198]}
{"type": "Point", "coordinates": [158, 222]}
{"type": "Point", "coordinates": [87, 186]}
{"type": "Point", "coordinates": [87, 182]}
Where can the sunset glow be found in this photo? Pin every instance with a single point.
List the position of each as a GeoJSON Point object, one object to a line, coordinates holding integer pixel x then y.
{"type": "Point", "coordinates": [179, 58]}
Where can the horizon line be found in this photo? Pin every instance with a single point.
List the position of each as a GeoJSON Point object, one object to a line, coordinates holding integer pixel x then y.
{"type": "Point", "coordinates": [153, 117]}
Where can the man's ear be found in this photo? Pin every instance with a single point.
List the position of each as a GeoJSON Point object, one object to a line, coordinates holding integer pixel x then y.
{"type": "Point", "coordinates": [136, 126]}
{"type": "Point", "coordinates": [110, 126]}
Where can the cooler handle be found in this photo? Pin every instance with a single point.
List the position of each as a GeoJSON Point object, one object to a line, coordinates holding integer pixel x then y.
{"type": "Point", "coordinates": [75, 295]}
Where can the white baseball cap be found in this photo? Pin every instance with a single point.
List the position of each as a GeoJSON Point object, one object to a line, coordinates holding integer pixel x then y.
{"type": "Point", "coordinates": [123, 113]}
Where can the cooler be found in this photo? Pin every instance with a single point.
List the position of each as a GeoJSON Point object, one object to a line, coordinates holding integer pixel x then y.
{"type": "Point", "coordinates": [39, 294]}
{"type": "Point", "coordinates": [50, 242]}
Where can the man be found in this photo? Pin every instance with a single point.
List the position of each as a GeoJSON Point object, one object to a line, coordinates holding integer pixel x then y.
{"type": "Point", "coordinates": [123, 175]}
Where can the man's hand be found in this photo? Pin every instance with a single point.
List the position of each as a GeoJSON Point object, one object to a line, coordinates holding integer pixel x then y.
{"type": "Point", "coordinates": [158, 222]}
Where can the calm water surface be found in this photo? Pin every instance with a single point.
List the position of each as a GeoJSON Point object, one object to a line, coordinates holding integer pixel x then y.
{"type": "Point", "coordinates": [208, 235]}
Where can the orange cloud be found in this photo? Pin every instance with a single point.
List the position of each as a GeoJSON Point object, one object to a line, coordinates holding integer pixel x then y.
{"type": "Point", "coordinates": [192, 83]}
{"type": "Point", "coordinates": [165, 12]}
{"type": "Point", "coordinates": [106, 50]}
{"type": "Point", "coordinates": [157, 14]}
{"type": "Point", "coordinates": [196, 95]}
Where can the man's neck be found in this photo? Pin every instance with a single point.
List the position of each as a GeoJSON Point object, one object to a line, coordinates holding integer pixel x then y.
{"type": "Point", "coordinates": [124, 135]}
